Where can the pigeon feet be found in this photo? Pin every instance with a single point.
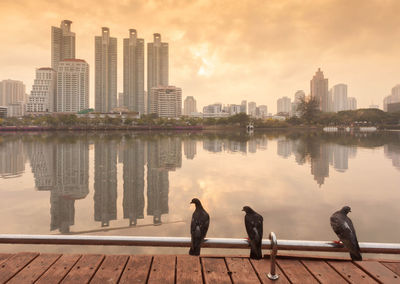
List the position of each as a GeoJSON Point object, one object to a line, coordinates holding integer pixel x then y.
{"type": "Point", "coordinates": [338, 242]}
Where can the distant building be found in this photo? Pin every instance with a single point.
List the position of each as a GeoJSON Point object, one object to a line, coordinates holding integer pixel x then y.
{"type": "Point", "coordinates": [62, 43]}
{"type": "Point", "coordinates": [234, 109]}
{"type": "Point", "coordinates": [157, 65]}
{"type": "Point", "coordinates": [393, 107]}
{"type": "Point", "coordinates": [166, 101]}
{"type": "Point", "coordinates": [16, 109]}
{"type": "Point", "coordinates": [72, 85]}
{"type": "Point", "coordinates": [284, 105]}
{"type": "Point", "coordinates": [189, 106]}
{"type": "Point", "coordinates": [243, 106]}
{"type": "Point", "coordinates": [252, 109]}
{"type": "Point", "coordinates": [298, 97]}
{"type": "Point", "coordinates": [134, 72]}
{"type": "Point", "coordinates": [319, 90]}
{"type": "Point", "coordinates": [105, 71]}
{"type": "Point", "coordinates": [394, 97]}
{"type": "Point", "coordinates": [373, 106]}
{"type": "Point", "coordinates": [339, 94]}
{"type": "Point", "coordinates": [214, 110]}
{"type": "Point", "coordinates": [44, 90]}
{"type": "Point", "coordinates": [263, 111]}
{"type": "Point", "coordinates": [121, 100]}
{"type": "Point", "coordinates": [12, 91]}
{"type": "Point", "coordinates": [3, 112]}
{"type": "Point", "coordinates": [351, 103]}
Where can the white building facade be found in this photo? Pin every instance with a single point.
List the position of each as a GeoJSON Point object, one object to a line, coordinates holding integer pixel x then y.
{"type": "Point", "coordinates": [43, 94]}
{"type": "Point", "coordinates": [166, 101]}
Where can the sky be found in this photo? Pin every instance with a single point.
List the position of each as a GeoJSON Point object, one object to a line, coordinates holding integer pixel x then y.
{"type": "Point", "coordinates": [223, 51]}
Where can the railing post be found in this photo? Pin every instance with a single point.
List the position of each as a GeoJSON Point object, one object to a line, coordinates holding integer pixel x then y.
{"type": "Point", "coordinates": [274, 249]}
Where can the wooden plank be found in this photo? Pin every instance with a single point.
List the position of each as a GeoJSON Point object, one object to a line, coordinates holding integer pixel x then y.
{"type": "Point", "coordinates": [137, 270]}
{"type": "Point", "coordinates": [215, 270]}
{"type": "Point", "coordinates": [188, 269]}
{"type": "Point", "coordinates": [59, 269]}
{"type": "Point", "coordinates": [14, 264]}
{"type": "Point", "coordinates": [110, 270]}
{"type": "Point", "coordinates": [394, 266]}
{"type": "Point", "coordinates": [162, 269]}
{"type": "Point", "coordinates": [84, 269]}
{"type": "Point", "coordinates": [35, 269]}
{"type": "Point", "coordinates": [4, 256]}
{"type": "Point", "coordinates": [378, 271]}
{"type": "Point", "coordinates": [295, 271]}
{"type": "Point", "coordinates": [350, 272]}
{"type": "Point", "coordinates": [263, 267]}
{"type": "Point", "coordinates": [241, 270]}
{"type": "Point", "coordinates": [323, 272]}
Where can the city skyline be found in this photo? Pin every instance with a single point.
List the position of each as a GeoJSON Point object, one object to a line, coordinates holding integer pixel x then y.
{"type": "Point", "coordinates": [205, 63]}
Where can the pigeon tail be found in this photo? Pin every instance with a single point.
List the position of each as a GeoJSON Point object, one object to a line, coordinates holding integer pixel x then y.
{"type": "Point", "coordinates": [194, 251]}
{"type": "Point", "coordinates": [355, 256]}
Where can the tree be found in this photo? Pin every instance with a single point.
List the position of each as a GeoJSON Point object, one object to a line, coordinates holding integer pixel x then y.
{"type": "Point", "coordinates": [308, 109]}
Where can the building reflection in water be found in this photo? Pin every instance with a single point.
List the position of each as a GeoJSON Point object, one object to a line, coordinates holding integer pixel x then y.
{"type": "Point", "coordinates": [12, 158]}
{"type": "Point", "coordinates": [63, 169]}
{"type": "Point", "coordinates": [105, 180]}
{"type": "Point", "coordinates": [133, 175]}
{"type": "Point", "coordinates": [60, 164]}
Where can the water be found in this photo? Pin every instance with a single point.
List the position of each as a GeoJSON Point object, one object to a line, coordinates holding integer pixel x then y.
{"type": "Point", "coordinates": [141, 184]}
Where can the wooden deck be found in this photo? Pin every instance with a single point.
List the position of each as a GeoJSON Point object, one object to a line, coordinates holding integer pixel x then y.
{"type": "Point", "coordinates": [93, 268]}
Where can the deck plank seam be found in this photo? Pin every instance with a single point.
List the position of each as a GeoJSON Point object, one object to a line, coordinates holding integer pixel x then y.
{"type": "Point", "coordinates": [338, 272]}
{"type": "Point", "coordinates": [283, 271]}
{"type": "Point", "coordinates": [11, 255]}
{"type": "Point", "coordinates": [228, 271]}
{"type": "Point", "coordinates": [23, 267]}
{"type": "Point", "coordinates": [203, 278]}
{"type": "Point", "coordinates": [388, 267]}
{"type": "Point", "coordinates": [176, 269]}
{"type": "Point", "coordinates": [123, 269]}
{"type": "Point", "coordinates": [97, 268]}
{"type": "Point", "coordinates": [148, 272]}
{"type": "Point", "coordinates": [59, 256]}
{"type": "Point", "coordinates": [69, 270]}
{"type": "Point", "coordinates": [255, 270]}
{"type": "Point", "coordinates": [309, 271]}
{"type": "Point", "coordinates": [368, 273]}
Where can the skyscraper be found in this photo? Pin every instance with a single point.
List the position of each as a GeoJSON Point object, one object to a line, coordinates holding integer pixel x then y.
{"type": "Point", "coordinates": [339, 96]}
{"type": "Point", "coordinates": [252, 109]}
{"type": "Point", "coordinates": [62, 43]}
{"type": "Point", "coordinates": [351, 103]}
{"type": "Point", "coordinates": [189, 105]}
{"type": "Point", "coordinates": [284, 105]}
{"type": "Point", "coordinates": [12, 91]}
{"type": "Point", "coordinates": [105, 71]}
{"type": "Point", "coordinates": [243, 106]}
{"type": "Point", "coordinates": [134, 72]}
{"type": "Point", "coordinates": [319, 90]}
{"type": "Point", "coordinates": [157, 65]}
{"type": "Point", "coordinates": [166, 101]}
{"type": "Point", "coordinates": [43, 94]}
{"type": "Point", "coordinates": [72, 85]}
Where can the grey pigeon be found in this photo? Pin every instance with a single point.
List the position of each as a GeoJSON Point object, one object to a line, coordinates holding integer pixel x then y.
{"type": "Point", "coordinates": [254, 227]}
{"type": "Point", "coordinates": [343, 227]}
{"type": "Point", "coordinates": [198, 227]}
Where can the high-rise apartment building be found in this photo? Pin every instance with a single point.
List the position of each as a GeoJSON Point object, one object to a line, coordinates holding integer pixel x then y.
{"type": "Point", "coordinates": [157, 65]}
{"type": "Point", "coordinates": [134, 72]}
{"type": "Point", "coordinates": [284, 105]}
{"type": "Point", "coordinates": [351, 103]}
{"type": "Point", "coordinates": [105, 71]}
{"type": "Point", "coordinates": [62, 43]}
{"type": "Point", "coordinates": [394, 97]}
{"type": "Point", "coordinates": [243, 106]}
{"type": "Point", "coordinates": [72, 85]}
{"type": "Point", "coordinates": [252, 108]}
{"type": "Point", "coordinates": [11, 91]}
{"type": "Point", "coordinates": [166, 101]}
{"type": "Point", "coordinates": [189, 105]}
{"type": "Point", "coordinates": [339, 96]}
{"type": "Point", "coordinates": [319, 90]}
{"type": "Point", "coordinates": [43, 94]}
{"type": "Point", "coordinates": [263, 111]}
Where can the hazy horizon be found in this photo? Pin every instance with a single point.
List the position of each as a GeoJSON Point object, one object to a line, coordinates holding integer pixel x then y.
{"type": "Point", "coordinates": [223, 51]}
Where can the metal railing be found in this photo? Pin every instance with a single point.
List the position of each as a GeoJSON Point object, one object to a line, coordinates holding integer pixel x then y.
{"type": "Point", "coordinates": [273, 244]}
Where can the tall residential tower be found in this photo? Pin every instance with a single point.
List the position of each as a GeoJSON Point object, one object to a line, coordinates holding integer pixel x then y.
{"type": "Point", "coordinates": [319, 90]}
{"type": "Point", "coordinates": [134, 72]}
{"type": "Point", "coordinates": [157, 65]}
{"type": "Point", "coordinates": [62, 43]}
{"type": "Point", "coordinates": [105, 71]}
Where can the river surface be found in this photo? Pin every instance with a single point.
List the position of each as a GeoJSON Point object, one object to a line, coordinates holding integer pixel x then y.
{"type": "Point", "coordinates": [120, 183]}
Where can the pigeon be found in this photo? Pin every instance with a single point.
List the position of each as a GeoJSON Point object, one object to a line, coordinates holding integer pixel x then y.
{"type": "Point", "coordinates": [254, 227]}
{"type": "Point", "coordinates": [343, 227]}
{"type": "Point", "coordinates": [198, 227]}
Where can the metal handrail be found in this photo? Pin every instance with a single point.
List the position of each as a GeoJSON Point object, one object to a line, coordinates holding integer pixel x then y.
{"type": "Point", "coordinates": [294, 245]}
